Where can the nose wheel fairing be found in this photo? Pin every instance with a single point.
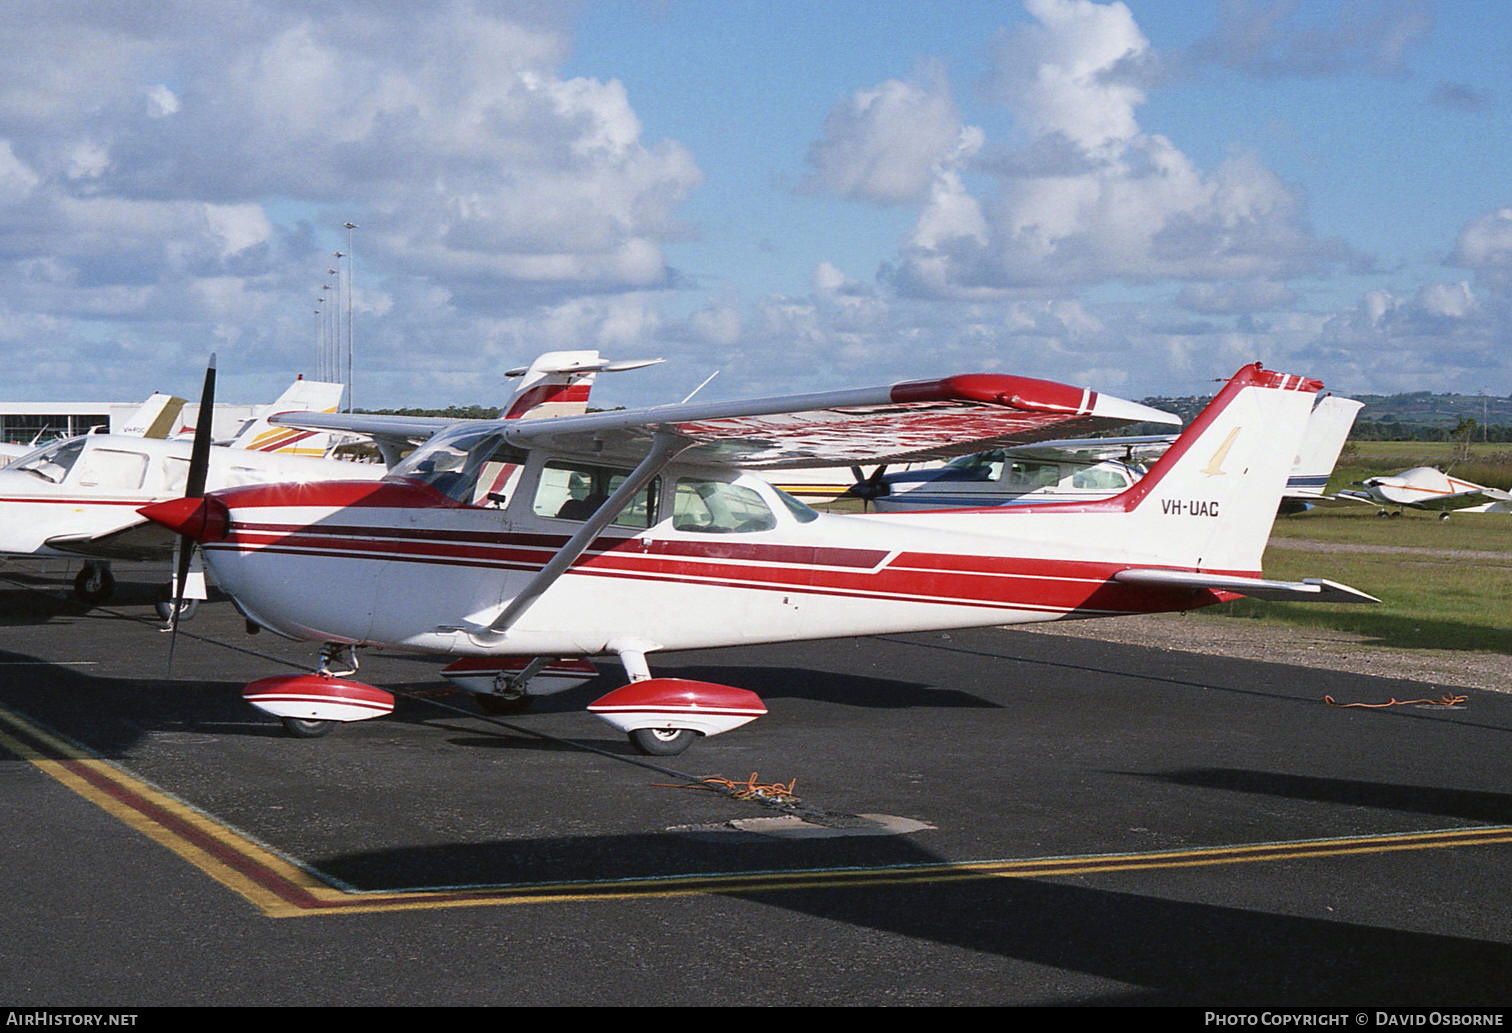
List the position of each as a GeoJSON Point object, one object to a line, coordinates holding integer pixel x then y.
{"type": "Point", "coordinates": [310, 698]}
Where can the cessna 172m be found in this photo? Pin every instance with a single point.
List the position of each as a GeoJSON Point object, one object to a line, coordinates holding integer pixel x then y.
{"type": "Point", "coordinates": [629, 532]}
{"type": "Point", "coordinates": [79, 497]}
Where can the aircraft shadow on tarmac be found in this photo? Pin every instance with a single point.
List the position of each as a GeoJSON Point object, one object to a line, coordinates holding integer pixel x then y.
{"type": "Point", "coordinates": [1170, 952]}
{"type": "Point", "coordinates": [111, 713]}
{"type": "Point", "coordinates": [1479, 807]}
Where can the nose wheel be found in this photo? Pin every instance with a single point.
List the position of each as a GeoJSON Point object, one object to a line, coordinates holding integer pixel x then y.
{"type": "Point", "coordinates": [94, 584]}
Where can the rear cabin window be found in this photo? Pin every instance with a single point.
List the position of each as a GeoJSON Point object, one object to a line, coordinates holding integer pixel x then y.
{"type": "Point", "coordinates": [1033, 475]}
{"type": "Point", "coordinates": [112, 469]}
{"type": "Point", "coordinates": [718, 507]}
{"type": "Point", "coordinates": [575, 491]}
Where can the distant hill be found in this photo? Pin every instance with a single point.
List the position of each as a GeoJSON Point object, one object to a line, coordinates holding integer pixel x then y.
{"type": "Point", "coordinates": [1417, 416]}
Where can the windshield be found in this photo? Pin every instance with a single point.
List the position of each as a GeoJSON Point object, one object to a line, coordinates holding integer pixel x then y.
{"type": "Point", "coordinates": [51, 462]}
{"type": "Point", "coordinates": [470, 464]}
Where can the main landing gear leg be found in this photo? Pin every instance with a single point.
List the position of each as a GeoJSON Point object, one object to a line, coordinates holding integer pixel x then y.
{"type": "Point", "coordinates": [337, 660]}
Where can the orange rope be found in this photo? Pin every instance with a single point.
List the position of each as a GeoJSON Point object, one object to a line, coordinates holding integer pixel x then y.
{"type": "Point", "coordinates": [747, 790]}
{"type": "Point", "coordinates": [1446, 700]}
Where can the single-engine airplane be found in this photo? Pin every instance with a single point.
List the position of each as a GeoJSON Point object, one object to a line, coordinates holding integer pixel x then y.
{"type": "Point", "coordinates": [629, 532]}
{"type": "Point", "coordinates": [1424, 487]}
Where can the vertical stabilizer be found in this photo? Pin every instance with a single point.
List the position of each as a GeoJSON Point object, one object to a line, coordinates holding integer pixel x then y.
{"type": "Point", "coordinates": [155, 418]}
{"type": "Point", "coordinates": [302, 396]}
{"type": "Point", "coordinates": [1209, 502]}
{"type": "Point", "coordinates": [1327, 430]}
{"type": "Point", "coordinates": [559, 383]}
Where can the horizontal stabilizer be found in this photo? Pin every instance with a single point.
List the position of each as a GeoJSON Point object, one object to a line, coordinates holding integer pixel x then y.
{"type": "Point", "coordinates": [1308, 590]}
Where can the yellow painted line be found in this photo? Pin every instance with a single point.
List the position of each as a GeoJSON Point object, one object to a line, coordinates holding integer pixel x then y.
{"type": "Point", "coordinates": [280, 888]}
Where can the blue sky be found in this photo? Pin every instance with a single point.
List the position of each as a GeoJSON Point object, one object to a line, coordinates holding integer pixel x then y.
{"type": "Point", "coordinates": [1137, 197]}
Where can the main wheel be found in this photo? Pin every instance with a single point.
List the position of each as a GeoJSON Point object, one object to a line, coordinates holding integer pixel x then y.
{"type": "Point", "coordinates": [300, 728]}
{"type": "Point", "coordinates": [94, 584]}
{"type": "Point", "coordinates": [662, 742]}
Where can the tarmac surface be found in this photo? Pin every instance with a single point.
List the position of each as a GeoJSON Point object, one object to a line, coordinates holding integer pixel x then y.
{"type": "Point", "coordinates": [981, 817]}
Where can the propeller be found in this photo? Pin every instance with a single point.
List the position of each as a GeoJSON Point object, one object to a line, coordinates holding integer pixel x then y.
{"type": "Point", "coordinates": [869, 488]}
{"type": "Point", "coordinates": [194, 488]}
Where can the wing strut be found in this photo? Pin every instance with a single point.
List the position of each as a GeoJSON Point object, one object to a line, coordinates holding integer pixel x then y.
{"type": "Point", "coordinates": [665, 447]}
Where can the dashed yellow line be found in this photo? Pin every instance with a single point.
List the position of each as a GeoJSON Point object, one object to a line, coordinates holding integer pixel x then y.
{"type": "Point", "coordinates": [281, 888]}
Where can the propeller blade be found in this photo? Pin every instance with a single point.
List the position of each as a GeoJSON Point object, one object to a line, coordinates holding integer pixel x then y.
{"type": "Point", "coordinates": [194, 488]}
{"type": "Point", "coordinates": [869, 488]}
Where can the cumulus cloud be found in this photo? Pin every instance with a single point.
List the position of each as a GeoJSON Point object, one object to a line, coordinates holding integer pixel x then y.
{"type": "Point", "coordinates": [1090, 196]}
{"type": "Point", "coordinates": [1485, 245]}
{"type": "Point", "coordinates": [1058, 75]}
{"type": "Point", "coordinates": [172, 158]}
{"type": "Point", "coordinates": [886, 144]}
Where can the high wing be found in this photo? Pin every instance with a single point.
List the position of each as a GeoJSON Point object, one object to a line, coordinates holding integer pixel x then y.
{"type": "Point", "coordinates": [1143, 448]}
{"type": "Point", "coordinates": [930, 419]}
{"type": "Point", "coordinates": [918, 420]}
{"type": "Point", "coordinates": [393, 435]}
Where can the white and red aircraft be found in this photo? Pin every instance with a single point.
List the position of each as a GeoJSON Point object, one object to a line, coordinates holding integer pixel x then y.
{"type": "Point", "coordinates": [630, 532]}
{"type": "Point", "coordinates": [1424, 487]}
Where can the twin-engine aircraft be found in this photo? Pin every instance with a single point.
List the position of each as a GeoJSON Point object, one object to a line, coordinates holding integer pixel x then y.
{"type": "Point", "coordinates": [523, 547]}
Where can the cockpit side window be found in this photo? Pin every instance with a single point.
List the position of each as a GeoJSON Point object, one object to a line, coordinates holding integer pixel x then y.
{"type": "Point", "coordinates": [111, 468]}
{"type": "Point", "coordinates": [982, 466]}
{"type": "Point", "coordinates": [574, 491]}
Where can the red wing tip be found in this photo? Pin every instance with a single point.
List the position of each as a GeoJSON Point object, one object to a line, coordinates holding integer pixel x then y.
{"type": "Point", "coordinates": [997, 389]}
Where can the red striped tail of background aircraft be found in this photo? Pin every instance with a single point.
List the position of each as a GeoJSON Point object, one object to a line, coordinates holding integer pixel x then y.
{"type": "Point", "coordinates": [628, 532]}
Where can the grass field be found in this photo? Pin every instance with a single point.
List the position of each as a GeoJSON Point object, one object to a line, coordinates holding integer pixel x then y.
{"type": "Point", "coordinates": [1442, 584]}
